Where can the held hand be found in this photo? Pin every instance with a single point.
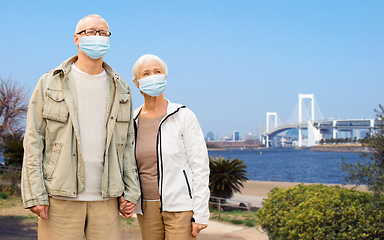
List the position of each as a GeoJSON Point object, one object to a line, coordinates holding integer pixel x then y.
{"type": "Point", "coordinates": [40, 210]}
{"type": "Point", "coordinates": [126, 208]}
{"type": "Point", "coordinates": [197, 227]}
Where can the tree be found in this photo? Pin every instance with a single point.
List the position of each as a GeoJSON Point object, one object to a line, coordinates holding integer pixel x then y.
{"type": "Point", "coordinates": [226, 177]}
{"type": "Point", "coordinates": [371, 172]}
{"type": "Point", "coordinates": [13, 150]}
{"type": "Point", "coordinates": [13, 107]}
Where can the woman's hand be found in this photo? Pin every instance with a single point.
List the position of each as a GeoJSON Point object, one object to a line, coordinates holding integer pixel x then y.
{"type": "Point", "coordinates": [126, 208]}
{"type": "Point", "coordinates": [197, 227]}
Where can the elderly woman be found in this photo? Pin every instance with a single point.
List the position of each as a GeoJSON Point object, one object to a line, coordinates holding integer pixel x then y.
{"type": "Point", "coordinates": [172, 160]}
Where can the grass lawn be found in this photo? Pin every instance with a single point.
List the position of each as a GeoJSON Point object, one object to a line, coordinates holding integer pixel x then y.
{"type": "Point", "coordinates": [235, 217]}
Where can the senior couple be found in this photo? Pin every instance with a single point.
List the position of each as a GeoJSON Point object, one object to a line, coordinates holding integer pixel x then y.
{"type": "Point", "coordinates": [88, 156]}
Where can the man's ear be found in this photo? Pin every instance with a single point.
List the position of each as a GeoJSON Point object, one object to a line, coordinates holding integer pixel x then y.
{"type": "Point", "coordinates": [76, 39]}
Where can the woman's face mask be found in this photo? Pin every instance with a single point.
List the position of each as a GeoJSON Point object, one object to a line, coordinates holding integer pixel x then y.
{"type": "Point", "coordinates": [153, 85]}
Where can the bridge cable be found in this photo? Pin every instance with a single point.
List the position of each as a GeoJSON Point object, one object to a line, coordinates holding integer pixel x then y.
{"type": "Point", "coordinates": [293, 116]}
{"type": "Point", "coordinates": [306, 110]}
{"type": "Point", "coordinates": [319, 110]}
{"type": "Point", "coordinates": [281, 122]}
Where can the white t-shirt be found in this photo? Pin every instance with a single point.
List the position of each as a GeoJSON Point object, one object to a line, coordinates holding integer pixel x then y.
{"type": "Point", "coordinates": [92, 91]}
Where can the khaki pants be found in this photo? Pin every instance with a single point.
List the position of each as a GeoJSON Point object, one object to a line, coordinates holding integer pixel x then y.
{"type": "Point", "coordinates": [166, 225]}
{"type": "Point", "coordinates": [71, 220]}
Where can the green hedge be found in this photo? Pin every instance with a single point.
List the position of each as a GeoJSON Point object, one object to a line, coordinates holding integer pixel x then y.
{"type": "Point", "coordinates": [320, 212]}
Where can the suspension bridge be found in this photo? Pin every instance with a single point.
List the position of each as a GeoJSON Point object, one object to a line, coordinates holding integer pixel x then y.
{"type": "Point", "coordinates": [317, 129]}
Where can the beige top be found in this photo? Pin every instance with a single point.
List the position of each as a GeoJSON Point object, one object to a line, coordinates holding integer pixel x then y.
{"type": "Point", "coordinates": [146, 156]}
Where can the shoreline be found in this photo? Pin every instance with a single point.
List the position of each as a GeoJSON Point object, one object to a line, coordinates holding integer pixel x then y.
{"type": "Point", "coordinates": [261, 188]}
{"type": "Point", "coordinates": [347, 147]}
{"type": "Point", "coordinates": [350, 148]}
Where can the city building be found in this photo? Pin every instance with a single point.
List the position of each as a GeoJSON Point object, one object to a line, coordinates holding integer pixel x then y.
{"type": "Point", "coordinates": [251, 136]}
{"type": "Point", "coordinates": [236, 135]}
{"type": "Point", "coordinates": [210, 136]}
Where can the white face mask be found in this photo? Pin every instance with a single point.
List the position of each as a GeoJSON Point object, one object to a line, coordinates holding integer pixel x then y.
{"type": "Point", "coordinates": [94, 46]}
{"type": "Point", "coordinates": [153, 85]}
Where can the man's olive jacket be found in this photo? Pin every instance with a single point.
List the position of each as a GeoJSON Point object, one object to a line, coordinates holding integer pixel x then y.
{"type": "Point", "coordinates": [52, 163]}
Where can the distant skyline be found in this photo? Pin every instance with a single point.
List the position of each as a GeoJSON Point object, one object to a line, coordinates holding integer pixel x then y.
{"type": "Point", "coordinates": [229, 61]}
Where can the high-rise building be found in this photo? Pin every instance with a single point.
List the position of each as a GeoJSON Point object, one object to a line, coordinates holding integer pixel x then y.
{"type": "Point", "coordinates": [236, 135]}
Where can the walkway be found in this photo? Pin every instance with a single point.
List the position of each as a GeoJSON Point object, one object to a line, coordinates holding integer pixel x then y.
{"type": "Point", "coordinates": [220, 230]}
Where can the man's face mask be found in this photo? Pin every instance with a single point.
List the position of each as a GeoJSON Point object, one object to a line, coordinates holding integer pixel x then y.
{"type": "Point", "coordinates": [94, 46]}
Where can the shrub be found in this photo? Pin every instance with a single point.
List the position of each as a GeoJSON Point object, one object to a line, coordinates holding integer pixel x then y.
{"type": "Point", "coordinates": [10, 189]}
{"type": "Point", "coordinates": [320, 212]}
{"type": "Point", "coordinates": [12, 176]}
{"type": "Point", "coordinates": [10, 183]}
{"type": "Point", "coordinates": [3, 195]}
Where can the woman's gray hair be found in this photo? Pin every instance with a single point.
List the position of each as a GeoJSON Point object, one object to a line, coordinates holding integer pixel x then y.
{"type": "Point", "coordinates": [80, 23]}
{"type": "Point", "coordinates": [147, 57]}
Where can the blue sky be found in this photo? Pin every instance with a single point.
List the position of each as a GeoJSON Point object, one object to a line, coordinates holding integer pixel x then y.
{"type": "Point", "coordinates": [229, 61]}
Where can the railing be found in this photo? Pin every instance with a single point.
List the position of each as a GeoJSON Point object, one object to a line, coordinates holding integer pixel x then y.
{"type": "Point", "coordinates": [10, 175]}
{"type": "Point", "coordinates": [4, 168]}
{"type": "Point", "coordinates": [225, 203]}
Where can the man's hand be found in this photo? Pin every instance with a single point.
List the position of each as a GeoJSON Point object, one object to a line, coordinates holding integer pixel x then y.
{"type": "Point", "coordinates": [126, 208]}
{"type": "Point", "coordinates": [197, 227]}
{"type": "Point", "coordinates": [40, 210]}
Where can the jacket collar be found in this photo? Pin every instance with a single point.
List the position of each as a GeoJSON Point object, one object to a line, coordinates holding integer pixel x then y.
{"type": "Point", "coordinates": [65, 68]}
{"type": "Point", "coordinates": [172, 107]}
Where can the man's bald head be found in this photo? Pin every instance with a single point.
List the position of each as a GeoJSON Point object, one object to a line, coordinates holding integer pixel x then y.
{"type": "Point", "coordinates": [80, 24]}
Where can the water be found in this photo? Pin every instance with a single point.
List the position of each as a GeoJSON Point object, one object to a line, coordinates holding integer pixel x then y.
{"type": "Point", "coordinates": [291, 165]}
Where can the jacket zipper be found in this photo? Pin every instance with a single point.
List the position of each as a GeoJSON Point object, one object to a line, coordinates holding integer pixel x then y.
{"type": "Point", "coordinates": [137, 165]}
{"type": "Point", "coordinates": [189, 188]}
{"type": "Point", "coordinates": [158, 141]}
{"type": "Point", "coordinates": [158, 171]}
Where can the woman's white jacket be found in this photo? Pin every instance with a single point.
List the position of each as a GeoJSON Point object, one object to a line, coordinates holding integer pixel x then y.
{"type": "Point", "coordinates": [182, 163]}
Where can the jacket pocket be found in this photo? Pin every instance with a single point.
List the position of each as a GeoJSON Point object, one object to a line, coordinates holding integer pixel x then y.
{"type": "Point", "coordinates": [124, 113]}
{"type": "Point", "coordinates": [120, 147]}
{"type": "Point", "coordinates": [54, 158]}
{"type": "Point", "coordinates": [189, 187]}
{"type": "Point", "coordinates": [55, 107]}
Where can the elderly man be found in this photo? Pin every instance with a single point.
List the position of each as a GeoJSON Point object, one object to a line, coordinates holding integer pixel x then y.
{"type": "Point", "coordinates": [78, 155]}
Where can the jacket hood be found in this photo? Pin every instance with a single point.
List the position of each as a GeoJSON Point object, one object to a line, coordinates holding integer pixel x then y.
{"type": "Point", "coordinates": [172, 107]}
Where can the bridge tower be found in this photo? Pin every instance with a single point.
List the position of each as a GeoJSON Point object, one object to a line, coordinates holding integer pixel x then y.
{"type": "Point", "coordinates": [267, 127]}
{"type": "Point", "coordinates": [310, 122]}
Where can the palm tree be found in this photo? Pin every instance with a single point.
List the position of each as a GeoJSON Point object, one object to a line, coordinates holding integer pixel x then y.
{"type": "Point", "coordinates": [227, 176]}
